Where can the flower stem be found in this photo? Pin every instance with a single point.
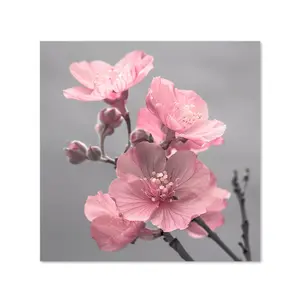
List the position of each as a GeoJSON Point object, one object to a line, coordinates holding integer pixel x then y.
{"type": "Point", "coordinates": [128, 124]}
{"type": "Point", "coordinates": [215, 238]}
{"type": "Point", "coordinates": [105, 158]}
{"type": "Point", "coordinates": [245, 223]}
{"type": "Point", "coordinates": [177, 246]}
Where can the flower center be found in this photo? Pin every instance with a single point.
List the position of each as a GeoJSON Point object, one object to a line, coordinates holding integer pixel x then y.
{"type": "Point", "coordinates": [187, 115]}
{"type": "Point", "coordinates": [160, 188]}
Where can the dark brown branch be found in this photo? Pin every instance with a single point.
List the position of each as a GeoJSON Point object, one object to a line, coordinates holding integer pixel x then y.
{"type": "Point", "coordinates": [176, 245]}
{"type": "Point", "coordinates": [245, 223]}
{"type": "Point", "coordinates": [211, 234]}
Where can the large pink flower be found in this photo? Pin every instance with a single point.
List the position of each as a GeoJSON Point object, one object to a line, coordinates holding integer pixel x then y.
{"type": "Point", "coordinates": [213, 217]}
{"type": "Point", "coordinates": [166, 192]}
{"type": "Point", "coordinates": [149, 122]}
{"type": "Point", "coordinates": [109, 229]}
{"type": "Point", "coordinates": [102, 81]}
{"type": "Point", "coordinates": [182, 112]}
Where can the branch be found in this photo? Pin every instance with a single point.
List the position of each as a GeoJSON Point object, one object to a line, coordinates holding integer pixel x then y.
{"type": "Point", "coordinates": [245, 223]}
{"type": "Point", "coordinates": [128, 124]}
{"type": "Point", "coordinates": [177, 246]}
{"type": "Point", "coordinates": [211, 234]}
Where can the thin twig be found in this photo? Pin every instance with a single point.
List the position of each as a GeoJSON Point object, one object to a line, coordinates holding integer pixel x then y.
{"type": "Point", "coordinates": [104, 157]}
{"type": "Point", "coordinates": [245, 223]}
{"type": "Point", "coordinates": [211, 234]}
{"type": "Point", "coordinates": [177, 246]}
{"type": "Point", "coordinates": [128, 124]}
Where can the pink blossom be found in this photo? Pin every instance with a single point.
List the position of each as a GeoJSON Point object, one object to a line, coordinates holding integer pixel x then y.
{"type": "Point", "coordinates": [213, 217]}
{"type": "Point", "coordinates": [166, 192]}
{"type": "Point", "coordinates": [182, 112]}
{"type": "Point", "coordinates": [101, 81]}
{"type": "Point", "coordinates": [149, 122]}
{"type": "Point", "coordinates": [109, 229]}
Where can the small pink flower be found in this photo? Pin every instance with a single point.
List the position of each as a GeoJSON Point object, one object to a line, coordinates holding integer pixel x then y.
{"type": "Point", "coordinates": [101, 81]}
{"type": "Point", "coordinates": [180, 111]}
{"type": "Point", "coordinates": [108, 228]}
{"type": "Point", "coordinates": [213, 217]}
{"type": "Point", "coordinates": [166, 192]}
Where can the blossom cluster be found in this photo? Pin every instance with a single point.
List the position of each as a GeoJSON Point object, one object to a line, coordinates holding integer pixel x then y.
{"type": "Point", "coordinates": [159, 177]}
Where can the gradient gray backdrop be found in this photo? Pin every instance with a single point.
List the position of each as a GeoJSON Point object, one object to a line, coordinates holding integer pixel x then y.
{"type": "Point", "coordinates": [225, 74]}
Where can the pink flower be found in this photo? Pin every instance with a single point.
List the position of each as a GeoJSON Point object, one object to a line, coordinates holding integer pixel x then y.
{"type": "Point", "coordinates": [109, 229]}
{"type": "Point", "coordinates": [182, 112]}
{"type": "Point", "coordinates": [101, 81]}
{"type": "Point", "coordinates": [213, 217]}
{"type": "Point", "coordinates": [166, 192]}
{"type": "Point", "coordinates": [149, 122]}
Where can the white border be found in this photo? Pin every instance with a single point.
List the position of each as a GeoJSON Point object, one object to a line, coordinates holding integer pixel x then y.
{"type": "Point", "coordinates": [26, 22]}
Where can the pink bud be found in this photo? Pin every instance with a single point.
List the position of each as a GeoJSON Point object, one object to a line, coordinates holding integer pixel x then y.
{"type": "Point", "coordinates": [139, 135]}
{"type": "Point", "coordinates": [94, 153]}
{"type": "Point", "coordinates": [111, 117]}
{"type": "Point", "coordinates": [76, 152]}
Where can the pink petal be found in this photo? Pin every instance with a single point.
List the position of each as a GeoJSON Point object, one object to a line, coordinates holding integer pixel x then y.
{"type": "Point", "coordinates": [99, 205]}
{"type": "Point", "coordinates": [176, 214]}
{"type": "Point", "coordinates": [161, 98]}
{"type": "Point", "coordinates": [198, 184]}
{"type": "Point", "coordinates": [81, 93]}
{"type": "Point", "coordinates": [204, 131]}
{"type": "Point", "coordinates": [212, 219]}
{"type": "Point", "coordinates": [137, 63]}
{"type": "Point", "coordinates": [195, 102]}
{"type": "Point", "coordinates": [181, 166]}
{"type": "Point", "coordinates": [149, 122]}
{"type": "Point", "coordinates": [217, 205]}
{"type": "Point", "coordinates": [131, 200]}
{"type": "Point", "coordinates": [113, 234]}
{"type": "Point", "coordinates": [150, 157]}
{"type": "Point", "coordinates": [85, 72]}
{"type": "Point", "coordinates": [140, 161]}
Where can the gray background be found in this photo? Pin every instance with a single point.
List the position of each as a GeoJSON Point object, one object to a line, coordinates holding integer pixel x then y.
{"type": "Point", "coordinates": [225, 74]}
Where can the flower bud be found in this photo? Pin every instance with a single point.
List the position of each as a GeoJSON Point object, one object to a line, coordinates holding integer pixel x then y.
{"type": "Point", "coordinates": [111, 117]}
{"type": "Point", "coordinates": [94, 153]}
{"type": "Point", "coordinates": [76, 152]}
{"type": "Point", "coordinates": [139, 135]}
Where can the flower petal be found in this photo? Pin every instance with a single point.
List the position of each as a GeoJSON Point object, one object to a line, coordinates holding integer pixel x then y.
{"type": "Point", "coordinates": [113, 234]}
{"type": "Point", "coordinates": [85, 72]}
{"type": "Point", "coordinates": [100, 204]}
{"type": "Point", "coordinates": [194, 101]}
{"type": "Point", "coordinates": [150, 157]}
{"type": "Point", "coordinates": [176, 214]}
{"type": "Point", "coordinates": [161, 98]}
{"type": "Point", "coordinates": [149, 122]}
{"type": "Point", "coordinates": [131, 201]}
{"type": "Point", "coordinates": [81, 93]}
{"type": "Point", "coordinates": [181, 166]}
{"type": "Point", "coordinates": [204, 131]}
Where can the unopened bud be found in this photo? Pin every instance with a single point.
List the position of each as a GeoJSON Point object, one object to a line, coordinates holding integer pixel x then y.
{"type": "Point", "coordinates": [76, 152]}
{"type": "Point", "coordinates": [111, 117]}
{"type": "Point", "coordinates": [138, 136]}
{"type": "Point", "coordinates": [94, 153]}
